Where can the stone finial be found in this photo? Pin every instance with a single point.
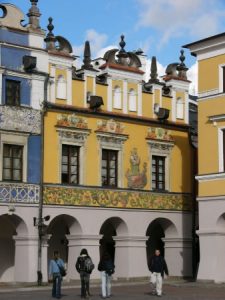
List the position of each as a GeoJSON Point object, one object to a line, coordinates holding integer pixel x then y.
{"type": "Point", "coordinates": [122, 43]}
{"type": "Point", "coordinates": [50, 38]}
{"type": "Point", "coordinates": [87, 57]}
{"type": "Point", "coordinates": [181, 68]}
{"type": "Point", "coordinates": [34, 15]}
{"type": "Point", "coordinates": [153, 73]}
{"type": "Point", "coordinates": [182, 58]}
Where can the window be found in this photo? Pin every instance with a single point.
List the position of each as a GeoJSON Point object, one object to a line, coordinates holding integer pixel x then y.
{"type": "Point", "coordinates": [117, 97]}
{"type": "Point", "coordinates": [89, 94]}
{"type": "Point", "coordinates": [180, 109]}
{"type": "Point", "coordinates": [158, 172]}
{"type": "Point", "coordinates": [132, 100]}
{"type": "Point", "coordinates": [223, 79]}
{"type": "Point", "coordinates": [224, 150]}
{"type": "Point", "coordinates": [61, 87]}
{"type": "Point", "coordinates": [109, 168]}
{"type": "Point", "coordinates": [12, 92]}
{"type": "Point", "coordinates": [12, 162]}
{"type": "Point", "coordinates": [70, 164]}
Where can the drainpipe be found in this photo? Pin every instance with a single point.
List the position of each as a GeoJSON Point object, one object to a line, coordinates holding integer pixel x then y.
{"type": "Point", "coordinates": [40, 223]}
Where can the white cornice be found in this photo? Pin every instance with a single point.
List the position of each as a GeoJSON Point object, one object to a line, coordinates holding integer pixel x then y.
{"type": "Point", "coordinates": [62, 61]}
{"type": "Point", "coordinates": [22, 75]}
{"type": "Point", "coordinates": [210, 177]}
{"type": "Point", "coordinates": [210, 198]}
{"type": "Point", "coordinates": [217, 118]}
{"type": "Point", "coordinates": [120, 75]}
{"type": "Point", "coordinates": [9, 45]}
{"type": "Point", "coordinates": [179, 84]}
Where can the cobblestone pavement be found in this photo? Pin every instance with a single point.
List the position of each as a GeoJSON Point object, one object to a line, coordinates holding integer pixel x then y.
{"type": "Point", "coordinates": [183, 291]}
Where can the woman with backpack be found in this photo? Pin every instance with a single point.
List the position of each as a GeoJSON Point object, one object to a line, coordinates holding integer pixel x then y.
{"type": "Point", "coordinates": [106, 267]}
{"type": "Point", "coordinates": [84, 266]}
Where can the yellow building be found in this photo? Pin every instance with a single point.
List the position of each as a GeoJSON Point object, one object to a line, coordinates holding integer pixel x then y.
{"type": "Point", "coordinates": [210, 54]}
{"type": "Point", "coordinates": [117, 160]}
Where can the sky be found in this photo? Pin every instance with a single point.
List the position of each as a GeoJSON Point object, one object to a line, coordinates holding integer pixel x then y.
{"type": "Point", "coordinates": [158, 27]}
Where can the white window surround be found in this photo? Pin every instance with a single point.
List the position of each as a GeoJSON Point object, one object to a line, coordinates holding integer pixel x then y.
{"type": "Point", "coordinates": [221, 77]}
{"type": "Point", "coordinates": [61, 87]}
{"type": "Point", "coordinates": [180, 108]}
{"type": "Point", "coordinates": [112, 141]}
{"type": "Point", "coordinates": [221, 150]}
{"type": "Point", "coordinates": [163, 149]}
{"type": "Point", "coordinates": [75, 137]}
{"type": "Point", "coordinates": [14, 139]}
{"type": "Point", "coordinates": [132, 100]}
{"type": "Point", "coordinates": [117, 97]}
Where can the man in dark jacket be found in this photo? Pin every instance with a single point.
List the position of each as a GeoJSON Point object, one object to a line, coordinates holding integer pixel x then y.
{"type": "Point", "coordinates": [84, 266]}
{"type": "Point", "coordinates": [157, 267]}
{"type": "Point", "coordinates": [107, 268]}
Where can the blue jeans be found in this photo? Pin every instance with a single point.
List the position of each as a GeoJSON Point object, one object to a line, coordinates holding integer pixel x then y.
{"type": "Point", "coordinates": [56, 288]}
{"type": "Point", "coordinates": [106, 284]}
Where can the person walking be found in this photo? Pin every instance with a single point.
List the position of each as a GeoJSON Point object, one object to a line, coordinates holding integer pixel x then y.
{"type": "Point", "coordinates": [157, 267]}
{"type": "Point", "coordinates": [84, 266]}
{"type": "Point", "coordinates": [56, 271]}
{"type": "Point", "coordinates": [107, 268]}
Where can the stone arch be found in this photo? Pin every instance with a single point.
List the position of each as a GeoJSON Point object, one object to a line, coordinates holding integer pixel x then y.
{"type": "Point", "coordinates": [110, 229]}
{"type": "Point", "coordinates": [117, 97]}
{"type": "Point", "coordinates": [13, 225]}
{"type": "Point", "coordinates": [58, 229]}
{"type": "Point", "coordinates": [179, 108]}
{"type": "Point", "coordinates": [220, 223]}
{"type": "Point", "coordinates": [61, 87]}
{"type": "Point", "coordinates": [157, 230]}
{"type": "Point", "coordinates": [132, 100]}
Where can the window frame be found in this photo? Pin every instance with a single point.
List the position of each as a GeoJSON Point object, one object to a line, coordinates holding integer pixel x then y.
{"type": "Point", "coordinates": [108, 168]}
{"type": "Point", "coordinates": [157, 158]}
{"type": "Point", "coordinates": [69, 165]}
{"type": "Point", "coordinates": [16, 82]}
{"type": "Point", "coordinates": [12, 169]}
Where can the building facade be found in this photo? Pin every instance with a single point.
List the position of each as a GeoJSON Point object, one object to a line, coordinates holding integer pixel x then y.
{"type": "Point", "coordinates": [210, 54]}
{"type": "Point", "coordinates": [113, 164]}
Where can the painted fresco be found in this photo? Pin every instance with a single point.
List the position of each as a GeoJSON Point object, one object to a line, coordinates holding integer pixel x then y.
{"type": "Point", "coordinates": [57, 195]}
{"type": "Point", "coordinates": [110, 126]}
{"type": "Point", "coordinates": [136, 179]}
{"type": "Point", "coordinates": [159, 134]}
{"type": "Point", "coordinates": [71, 121]}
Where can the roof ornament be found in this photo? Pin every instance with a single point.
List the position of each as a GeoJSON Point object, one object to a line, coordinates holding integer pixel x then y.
{"type": "Point", "coordinates": [122, 43]}
{"type": "Point", "coordinates": [181, 68]}
{"type": "Point", "coordinates": [87, 57]}
{"type": "Point", "coordinates": [153, 73]}
{"type": "Point", "coordinates": [34, 15]}
{"type": "Point", "coordinates": [50, 38]}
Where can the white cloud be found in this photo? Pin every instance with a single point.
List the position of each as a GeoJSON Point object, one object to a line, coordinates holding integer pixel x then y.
{"type": "Point", "coordinates": [98, 46]}
{"type": "Point", "coordinates": [192, 75]}
{"type": "Point", "coordinates": [174, 18]}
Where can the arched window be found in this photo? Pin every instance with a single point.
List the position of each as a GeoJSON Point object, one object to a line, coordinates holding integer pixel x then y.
{"type": "Point", "coordinates": [61, 87]}
{"type": "Point", "coordinates": [132, 100]}
{"type": "Point", "coordinates": [89, 94]}
{"type": "Point", "coordinates": [117, 97]}
{"type": "Point", "coordinates": [180, 109]}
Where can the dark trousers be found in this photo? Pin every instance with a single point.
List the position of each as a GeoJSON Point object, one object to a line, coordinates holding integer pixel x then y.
{"type": "Point", "coordinates": [56, 288]}
{"type": "Point", "coordinates": [84, 278]}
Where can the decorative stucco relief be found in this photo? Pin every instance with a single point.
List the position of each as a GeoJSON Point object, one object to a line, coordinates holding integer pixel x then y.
{"type": "Point", "coordinates": [75, 196]}
{"type": "Point", "coordinates": [71, 121]}
{"type": "Point", "coordinates": [110, 126]}
{"type": "Point", "coordinates": [136, 179]}
{"type": "Point", "coordinates": [19, 193]}
{"type": "Point", "coordinates": [20, 119]}
{"type": "Point", "coordinates": [159, 134]}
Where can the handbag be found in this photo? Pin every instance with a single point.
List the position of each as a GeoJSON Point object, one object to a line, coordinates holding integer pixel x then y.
{"type": "Point", "coordinates": [62, 270]}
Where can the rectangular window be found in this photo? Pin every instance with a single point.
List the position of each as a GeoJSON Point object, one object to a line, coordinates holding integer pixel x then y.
{"type": "Point", "coordinates": [224, 150]}
{"type": "Point", "coordinates": [12, 92]}
{"type": "Point", "coordinates": [158, 172]}
{"type": "Point", "coordinates": [12, 162]}
{"type": "Point", "coordinates": [109, 168]}
{"type": "Point", "coordinates": [70, 164]}
{"type": "Point", "coordinates": [223, 79]}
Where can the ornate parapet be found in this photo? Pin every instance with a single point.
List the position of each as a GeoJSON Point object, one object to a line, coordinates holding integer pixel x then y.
{"type": "Point", "coordinates": [20, 119]}
{"type": "Point", "coordinates": [19, 193]}
{"type": "Point", "coordinates": [98, 197]}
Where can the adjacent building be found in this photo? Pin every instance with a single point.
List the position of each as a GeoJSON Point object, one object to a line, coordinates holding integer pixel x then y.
{"type": "Point", "coordinates": [210, 54]}
{"type": "Point", "coordinates": [107, 156]}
